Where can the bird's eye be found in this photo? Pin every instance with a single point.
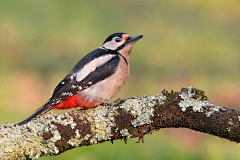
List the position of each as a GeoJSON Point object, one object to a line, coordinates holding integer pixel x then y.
{"type": "Point", "coordinates": [117, 40]}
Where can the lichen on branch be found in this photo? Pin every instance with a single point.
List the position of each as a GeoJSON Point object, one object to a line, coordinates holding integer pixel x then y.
{"type": "Point", "coordinates": [52, 134]}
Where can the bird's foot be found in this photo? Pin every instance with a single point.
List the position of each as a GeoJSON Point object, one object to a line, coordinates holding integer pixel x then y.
{"type": "Point", "coordinates": [117, 102]}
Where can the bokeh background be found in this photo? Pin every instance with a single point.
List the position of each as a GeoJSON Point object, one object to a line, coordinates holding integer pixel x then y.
{"type": "Point", "coordinates": [185, 43]}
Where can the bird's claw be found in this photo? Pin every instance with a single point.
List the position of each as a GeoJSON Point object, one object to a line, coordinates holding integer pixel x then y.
{"type": "Point", "coordinates": [117, 102]}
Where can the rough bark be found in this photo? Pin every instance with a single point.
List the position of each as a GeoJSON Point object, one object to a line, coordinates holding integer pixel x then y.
{"type": "Point", "coordinates": [52, 134]}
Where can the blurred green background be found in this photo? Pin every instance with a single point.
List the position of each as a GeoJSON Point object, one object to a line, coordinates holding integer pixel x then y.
{"type": "Point", "coordinates": [185, 43]}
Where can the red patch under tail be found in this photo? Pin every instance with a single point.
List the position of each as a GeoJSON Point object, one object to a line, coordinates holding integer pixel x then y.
{"type": "Point", "coordinates": [76, 101]}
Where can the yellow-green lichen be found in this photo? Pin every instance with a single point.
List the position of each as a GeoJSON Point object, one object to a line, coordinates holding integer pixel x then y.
{"type": "Point", "coordinates": [100, 125]}
{"type": "Point", "coordinates": [234, 119]}
{"type": "Point", "coordinates": [142, 108]}
{"type": "Point", "coordinates": [201, 95]}
{"type": "Point", "coordinates": [198, 105]}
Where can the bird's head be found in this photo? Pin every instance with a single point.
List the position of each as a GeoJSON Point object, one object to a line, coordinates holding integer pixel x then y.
{"type": "Point", "coordinates": [121, 42]}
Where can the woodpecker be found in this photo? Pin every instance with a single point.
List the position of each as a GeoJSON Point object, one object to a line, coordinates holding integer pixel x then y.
{"type": "Point", "coordinates": [95, 79]}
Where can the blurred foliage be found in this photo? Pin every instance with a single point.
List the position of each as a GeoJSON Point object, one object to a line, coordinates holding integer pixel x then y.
{"type": "Point", "coordinates": [185, 43]}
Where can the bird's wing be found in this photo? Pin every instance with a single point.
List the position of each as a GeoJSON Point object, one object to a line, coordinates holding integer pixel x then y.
{"type": "Point", "coordinates": [89, 74]}
{"type": "Point", "coordinates": [98, 65]}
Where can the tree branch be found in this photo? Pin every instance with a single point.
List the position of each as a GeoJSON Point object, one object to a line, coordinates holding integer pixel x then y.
{"type": "Point", "coordinates": [53, 134]}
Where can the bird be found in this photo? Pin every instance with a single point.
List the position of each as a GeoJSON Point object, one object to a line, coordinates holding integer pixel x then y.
{"type": "Point", "coordinates": [95, 79]}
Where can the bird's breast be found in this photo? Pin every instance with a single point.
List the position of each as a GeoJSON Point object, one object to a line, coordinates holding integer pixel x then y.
{"type": "Point", "coordinates": [106, 89]}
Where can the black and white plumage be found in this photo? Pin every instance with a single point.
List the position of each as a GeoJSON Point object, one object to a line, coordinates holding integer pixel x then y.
{"type": "Point", "coordinates": [96, 78]}
{"type": "Point", "coordinates": [94, 67]}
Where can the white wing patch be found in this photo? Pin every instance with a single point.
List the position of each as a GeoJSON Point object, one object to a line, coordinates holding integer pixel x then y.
{"type": "Point", "coordinates": [91, 66]}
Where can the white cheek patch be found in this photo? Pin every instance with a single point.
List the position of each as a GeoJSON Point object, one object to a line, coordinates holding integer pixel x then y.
{"type": "Point", "coordinates": [91, 66]}
{"type": "Point", "coordinates": [112, 44]}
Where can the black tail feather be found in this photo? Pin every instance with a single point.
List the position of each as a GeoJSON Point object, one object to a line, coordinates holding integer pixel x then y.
{"type": "Point", "coordinates": [39, 112]}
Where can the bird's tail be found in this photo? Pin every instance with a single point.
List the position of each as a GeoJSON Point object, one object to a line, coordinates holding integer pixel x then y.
{"type": "Point", "coordinates": [43, 109]}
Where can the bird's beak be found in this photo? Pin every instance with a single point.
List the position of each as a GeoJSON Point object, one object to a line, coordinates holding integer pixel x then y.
{"type": "Point", "coordinates": [133, 38]}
